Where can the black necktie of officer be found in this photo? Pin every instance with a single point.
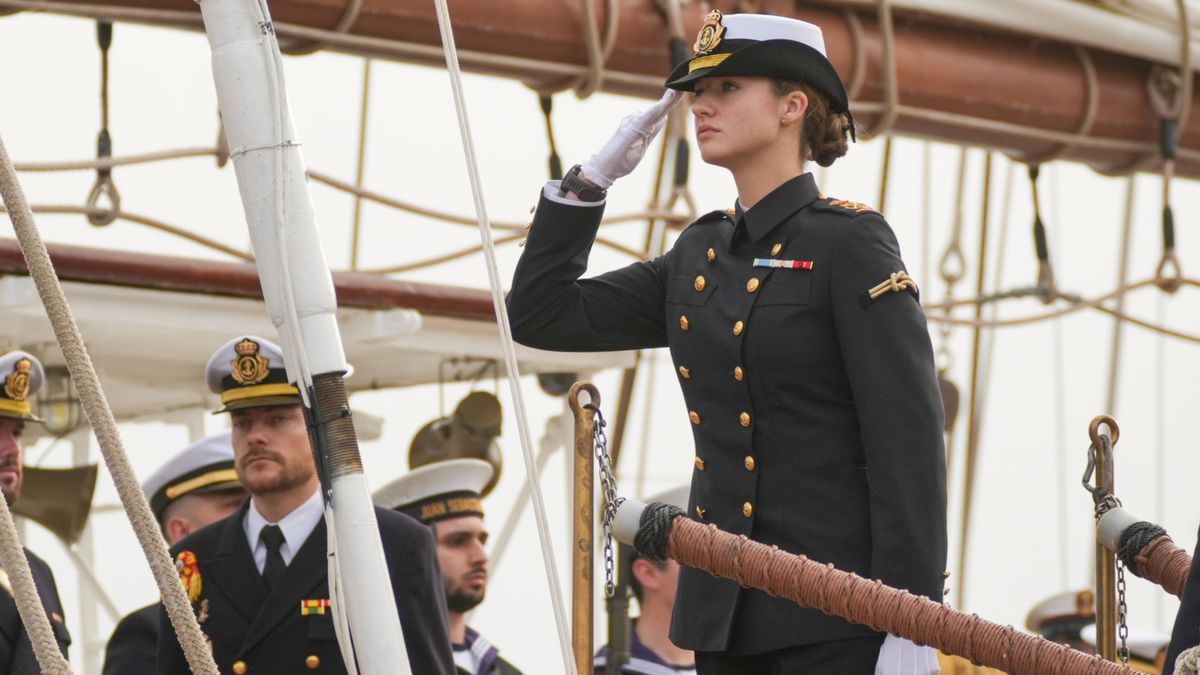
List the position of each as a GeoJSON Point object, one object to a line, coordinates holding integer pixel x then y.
{"type": "Point", "coordinates": [273, 571]}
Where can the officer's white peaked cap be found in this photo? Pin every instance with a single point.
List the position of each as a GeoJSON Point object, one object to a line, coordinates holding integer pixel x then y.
{"type": "Point", "coordinates": [204, 466]}
{"type": "Point", "coordinates": [444, 489]}
{"type": "Point", "coordinates": [248, 371]}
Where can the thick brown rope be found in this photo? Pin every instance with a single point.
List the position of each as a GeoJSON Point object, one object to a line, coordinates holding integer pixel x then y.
{"type": "Point", "coordinates": [1163, 563]}
{"type": "Point", "coordinates": [100, 417]}
{"type": "Point", "coordinates": [879, 607]}
{"type": "Point", "coordinates": [29, 604]}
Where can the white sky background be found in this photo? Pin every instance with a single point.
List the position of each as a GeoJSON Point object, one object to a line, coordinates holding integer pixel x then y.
{"type": "Point", "coordinates": [1032, 523]}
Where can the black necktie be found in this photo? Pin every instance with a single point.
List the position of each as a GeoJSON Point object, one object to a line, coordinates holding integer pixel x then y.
{"type": "Point", "coordinates": [273, 571]}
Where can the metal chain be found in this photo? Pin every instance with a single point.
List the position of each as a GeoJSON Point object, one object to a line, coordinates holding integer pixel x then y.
{"type": "Point", "coordinates": [608, 486]}
{"type": "Point", "coordinates": [1122, 613]}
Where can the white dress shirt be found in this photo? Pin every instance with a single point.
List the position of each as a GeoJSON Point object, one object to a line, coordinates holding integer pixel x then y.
{"type": "Point", "coordinates": [296, 527]}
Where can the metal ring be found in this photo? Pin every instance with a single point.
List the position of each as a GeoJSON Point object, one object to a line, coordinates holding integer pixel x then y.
{"type": "Point", "coordinates": [1094, 429]}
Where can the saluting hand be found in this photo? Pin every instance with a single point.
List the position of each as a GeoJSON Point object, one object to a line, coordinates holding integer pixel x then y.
{"type": "Point", "coordinates": [625, 149]}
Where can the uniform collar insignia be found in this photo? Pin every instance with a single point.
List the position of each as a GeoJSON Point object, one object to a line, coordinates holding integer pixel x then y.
{"type": "Point", "coordinates": [777, 206]}
{"type": "Point", "coordinates": [189, 573]}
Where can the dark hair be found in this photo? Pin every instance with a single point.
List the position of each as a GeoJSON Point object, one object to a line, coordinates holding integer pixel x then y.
{"type": "Point", "coordinates": [823, 137]}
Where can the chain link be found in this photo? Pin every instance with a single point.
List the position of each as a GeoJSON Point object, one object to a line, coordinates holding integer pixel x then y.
{"type": "Point", "coordinates": [1122, 614]}
{"type": "Point", "coordinates": [608, 486]}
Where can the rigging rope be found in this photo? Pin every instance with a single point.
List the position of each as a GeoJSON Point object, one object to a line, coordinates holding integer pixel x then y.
{"type": "Point", "coordinates": [1045, 275]}
{"type": "Point", "coordinates": [100, 417]}
{"type": "Point", "coordinates": [506, 339]}
{"type": "Point", "coordinates": [360, 168]}
{"type": "Point", "coordinates": [104, 187]}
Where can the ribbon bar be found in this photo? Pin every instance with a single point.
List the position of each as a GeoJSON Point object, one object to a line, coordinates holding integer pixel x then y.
{"type": "Point", "coordinates": [787, 264]}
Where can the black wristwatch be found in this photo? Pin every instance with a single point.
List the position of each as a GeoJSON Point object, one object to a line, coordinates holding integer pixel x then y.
{"type": "Point", "coordinates": [582, 189]}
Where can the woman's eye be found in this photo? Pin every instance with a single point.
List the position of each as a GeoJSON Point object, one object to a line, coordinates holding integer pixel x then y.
{"type": "Point", "coordinates": [729, 86]}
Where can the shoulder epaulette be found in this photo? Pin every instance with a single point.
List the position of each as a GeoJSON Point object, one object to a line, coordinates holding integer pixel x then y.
{"type": "Point", "coordinates": [842, 206]}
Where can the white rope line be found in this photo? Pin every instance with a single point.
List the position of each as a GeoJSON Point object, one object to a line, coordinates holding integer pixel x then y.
{"type": "Point", "coordinates": [506, 339]}
{"type": "Point", "coordinates": [29, 603]}
{"type": "Point", "coordinates": [100, 417]}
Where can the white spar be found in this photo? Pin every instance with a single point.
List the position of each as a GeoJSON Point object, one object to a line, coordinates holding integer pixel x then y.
{"type": "Point", "coordinates": [298, 290]}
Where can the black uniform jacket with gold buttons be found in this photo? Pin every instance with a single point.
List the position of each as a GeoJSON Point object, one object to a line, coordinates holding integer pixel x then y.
{"type": "Point", "coordinates": [1186, 632]}
{"type": "Point", "coordinates": [16, 650]}
{"type": "Point", "coordinates": [816, 412]}
{"type": "Point", "coordinates": [133, 645]}
{"type": "Point", "coordinates": [268, 633]}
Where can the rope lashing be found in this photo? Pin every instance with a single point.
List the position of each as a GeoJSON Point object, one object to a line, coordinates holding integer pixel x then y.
{"type": "Point", "coordinates": [1188, 662]}
{"type": "Point", "coordinates": [1151, 554]}
{"type": "Point", "coordinates": [864, 601]}
{"type": "Point", "coordinates": [1045, 277]}
{"type": "Point", "coordinates": [555, 163]}
{"type": "Point", "coordinates": [104, 187]}
{"type": "Point", "coordinates": [1134, 539]}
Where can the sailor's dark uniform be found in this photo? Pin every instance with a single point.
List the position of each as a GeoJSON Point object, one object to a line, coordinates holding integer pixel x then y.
{"type": "Point", "coordinates": [815, 409]}
{"type": "Point", "coordinates": [484, 656]}
{"type": "Point", "coordinates": [642, 659]}
{"type": "Point", "coordinates": [133, 644]}
{"type": "Point", "coordinates": [1186, 632]}
{"type": "Point", "coordinates": [255, 632]}
{"type": "Point", "coordinates": [16, 650]}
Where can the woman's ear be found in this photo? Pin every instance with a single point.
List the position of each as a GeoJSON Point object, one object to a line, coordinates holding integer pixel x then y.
{"type": "Point", "coordinates": [795, 106]}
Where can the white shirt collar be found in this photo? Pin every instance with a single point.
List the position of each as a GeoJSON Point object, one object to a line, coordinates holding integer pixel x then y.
{"type": "Point", "coordinates": [296, 526]}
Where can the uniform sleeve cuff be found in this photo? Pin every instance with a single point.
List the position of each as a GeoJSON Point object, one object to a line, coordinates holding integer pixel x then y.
{"type": "Point", "coordinates": [551, 190]}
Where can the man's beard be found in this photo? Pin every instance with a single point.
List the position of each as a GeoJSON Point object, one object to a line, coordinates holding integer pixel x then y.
{"type": "Point", "coordinates": [462, 600]}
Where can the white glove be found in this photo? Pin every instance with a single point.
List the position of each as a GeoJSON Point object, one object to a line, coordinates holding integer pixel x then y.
{"type": "Point", "coordinates": [624, 150]}
{"type": "Point", "coordinates": [898, 656]}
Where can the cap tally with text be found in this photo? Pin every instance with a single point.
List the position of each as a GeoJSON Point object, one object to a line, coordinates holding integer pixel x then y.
{"type": "Point", "coordinates": [202, 467]}
{"type": "Point", "coordinates": [248, 372]}
{"type": "Point", "coordinates": [21, 375]}
{"type": "Point", "coordinates": [759, 45]}
{"type": "Point", "coordinates": [437, 491]}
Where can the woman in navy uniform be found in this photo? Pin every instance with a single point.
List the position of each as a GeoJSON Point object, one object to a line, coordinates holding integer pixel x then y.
{"type": "Point", "coordinates": [798, 341]}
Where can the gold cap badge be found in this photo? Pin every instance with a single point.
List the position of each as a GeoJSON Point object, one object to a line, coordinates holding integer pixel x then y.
{"type": "Point", "coordinates": [249, 367]}
{"type": "Point", "coordinates": [710, 34]}
{"type": "Point", "coordinates": [16, 385]}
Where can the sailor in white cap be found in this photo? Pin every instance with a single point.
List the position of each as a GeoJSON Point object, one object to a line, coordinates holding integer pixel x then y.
{"type": "Point", "coordinates": [21, 376]}
{"type": "Point", "coordinates": [193, 489]}
{"type": "Point", "coordinates": [258, 580]}
{"type": "Point", "coordinates": [799, 345]}
{"type": "Point", "coordinates": [447, 496]}
{"type": "Point", "coordinates": [651, 651]}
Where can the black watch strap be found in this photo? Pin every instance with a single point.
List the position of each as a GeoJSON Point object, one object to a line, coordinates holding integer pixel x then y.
{"type": "Point", "coordinates": [582, 189]}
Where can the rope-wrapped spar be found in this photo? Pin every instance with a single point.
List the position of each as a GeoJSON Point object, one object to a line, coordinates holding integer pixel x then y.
{"type": "Point", "coordinates": [658, 533]}
{"type": "Point", "coordinates": [1146, 549]}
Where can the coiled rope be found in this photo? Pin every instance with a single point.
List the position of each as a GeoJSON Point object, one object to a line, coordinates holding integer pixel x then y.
{"type": "Point", "coordinates": [100, 417]}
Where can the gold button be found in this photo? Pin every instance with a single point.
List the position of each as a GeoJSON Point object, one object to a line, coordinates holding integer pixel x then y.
{"type": "Point", "coordinates": [749, 463]}
{"type": "Point", "coordinates": [700, 511]}
{"type": "Point", "coordinates": [712, 255]}
{"type": "Point", "coordinates": [739, 374]}
{"type": "Point", "coordinates": [776, 249]}
{"type": "Point", "coordinates": [747, 509]}
{"type": "Point", "coordinates": [312, 661]}
{"type": "Point", "coordinates": [240, 668]}
{"type": "Point", "coordinates": [694, 417]}
{"type": "Point", "coordinates": [683, 323]}
{"type": "Point", "coordinates": [744, 418]}
{"type": "Point", "coordinates": [685, 373]}
{"type": "Point", "coordinates": [699, 464]}
{"type": "Point", "coordinates": [699, 283]}
{"type": "Point", "coordinates": [752, 285]}
{"type": "Point", "coordinates": [738, 328]}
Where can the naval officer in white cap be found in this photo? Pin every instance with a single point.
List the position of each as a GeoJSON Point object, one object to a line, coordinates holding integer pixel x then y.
{"type": "Point", "coordinates": [194, 488]}
{"type": "Point", "coordinates": [258, 580]}
{"type": "Point", "coordinates": [447, 496]}
{"type": "Point", "coordinates": [21, 376]}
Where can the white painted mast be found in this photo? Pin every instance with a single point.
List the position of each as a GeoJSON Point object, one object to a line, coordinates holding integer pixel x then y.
{"type": "Point", "coordinates": [299, 294]}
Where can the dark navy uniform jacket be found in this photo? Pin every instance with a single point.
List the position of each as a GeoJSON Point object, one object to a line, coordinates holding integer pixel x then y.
{"type": "Point", "coordinates": [816, 412]}
{"type": "Point", "coordinates": [1186, 632]}
{"type": "Point", "coordinates": [269, 633]}
{"type": "Point", "coordinates": [16, 650]}
{"type": "Point", "coordinates": [133, 644]}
